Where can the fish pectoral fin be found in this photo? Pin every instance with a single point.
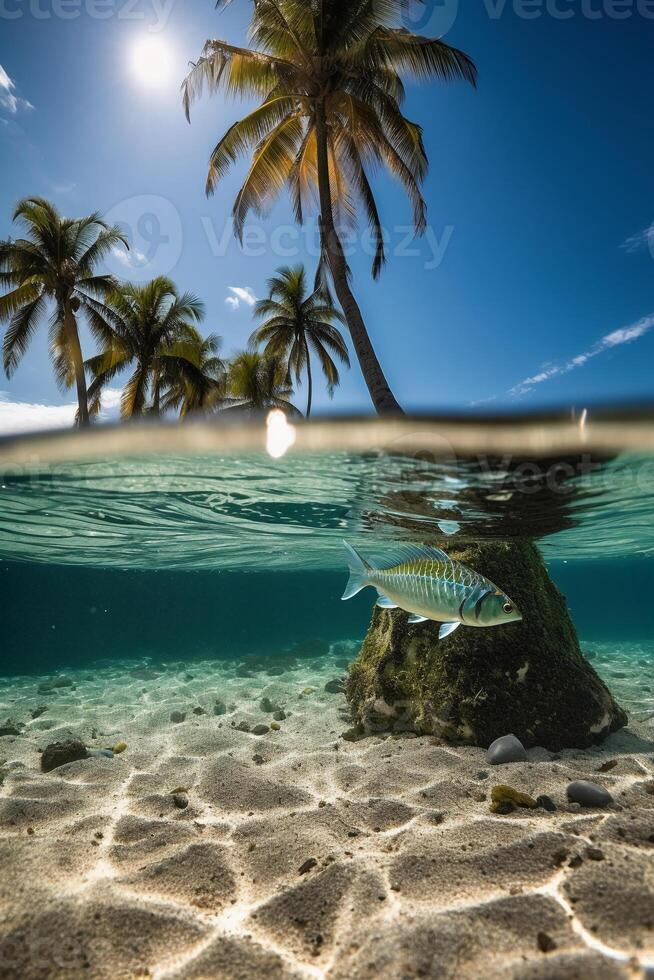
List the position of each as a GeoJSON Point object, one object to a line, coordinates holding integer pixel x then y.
{"type": "Point", "coordinates": [385, 603]}
{"type": "Point", "coordinates": [417, 619]}
{"type": "Point", "coordinates": [446, 629]}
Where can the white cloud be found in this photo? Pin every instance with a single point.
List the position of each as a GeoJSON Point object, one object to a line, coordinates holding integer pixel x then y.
{"type": "Point", "coordinates": [240, 294]}
{"type": "Point", "coordinates": [111, 399]}
{"type": "Point", "coordinates": [636, 243]}
{"type": "Point", "coordinates": [8, 99]}
{"type": "Point", "coordinates": [17, 417]}
{"type": "Point", "coordinates": [30, 416]}
{"type": "Point", "coordinates": [624, 335]}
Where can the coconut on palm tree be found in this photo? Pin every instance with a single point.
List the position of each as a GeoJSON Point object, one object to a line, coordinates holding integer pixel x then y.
{"type": "Point", "coordinates": [328, 75]}
{"type": "Point", "coordinates": [258, 383]}
{"type": "Point", "coordinates": [298, 324]}
{"type": "Point", "coordinates": [197, 384]}
{"type": "Point", "coordinates": [149, 335]}
{"type": "Point", "coordinates": [54, 264]}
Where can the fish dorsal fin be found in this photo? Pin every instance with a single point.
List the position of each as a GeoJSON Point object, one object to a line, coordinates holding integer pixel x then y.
{"type": "Point", "coordinates": [401, 554]}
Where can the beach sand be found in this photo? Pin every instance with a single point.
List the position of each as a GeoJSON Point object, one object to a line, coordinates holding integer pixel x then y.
{"type": "Point", "coordinates": [206, 851]}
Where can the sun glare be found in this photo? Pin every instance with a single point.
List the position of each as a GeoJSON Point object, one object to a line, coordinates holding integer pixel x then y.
{"type": "Point", "coordinates": [151, 62]}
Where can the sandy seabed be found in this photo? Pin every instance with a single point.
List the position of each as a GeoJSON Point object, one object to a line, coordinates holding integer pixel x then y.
{"type": "Point", "coordinates": [301, 854]}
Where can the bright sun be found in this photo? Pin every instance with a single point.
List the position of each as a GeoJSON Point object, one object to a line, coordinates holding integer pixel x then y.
{"type": "Point", "coordinates": [151, 62]}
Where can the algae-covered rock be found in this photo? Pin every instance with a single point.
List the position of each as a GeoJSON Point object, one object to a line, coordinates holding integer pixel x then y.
{"type": "Point", "coordinates": [529, 677]}
{"type": "Point", "coordinates": [505, 798]}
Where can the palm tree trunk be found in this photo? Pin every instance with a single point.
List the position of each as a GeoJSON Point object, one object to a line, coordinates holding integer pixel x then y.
{"type": "Point", "coordinates": [156, 398]}
{"type": "Point", "coordinates": [309, 382]}
{"type": "Point", "coordinates": [382, 397]}
{"type": "Point", "coordinates": [72, 335]}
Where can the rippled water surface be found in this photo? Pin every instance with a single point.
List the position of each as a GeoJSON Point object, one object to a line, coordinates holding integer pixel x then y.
{"type": "Point", "coordinates": [248, 511]}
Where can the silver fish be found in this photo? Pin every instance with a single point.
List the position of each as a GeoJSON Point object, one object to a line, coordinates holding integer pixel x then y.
{"type": "Point", "coordinates": [429, 584]}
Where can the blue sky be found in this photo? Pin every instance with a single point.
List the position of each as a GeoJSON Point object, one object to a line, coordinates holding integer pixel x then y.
{"type": "Point", "coordinates": [535, 284]}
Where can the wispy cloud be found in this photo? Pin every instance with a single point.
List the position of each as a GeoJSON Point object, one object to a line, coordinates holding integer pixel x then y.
{"type": "Point", "coordinates": [9, 101]}
{"type": "Point", "coordinates": [624, 335]}
{"type": "Point", "coordinates": [17, 417]}
{"type": "Point", "coordinates": [637, 243]}
{"type": "Point", "coordinates": [64, 188]}
{"type": "Point", "coordinates": [131, 260]}
{"type": "Point", "coordinates": [240, 295]}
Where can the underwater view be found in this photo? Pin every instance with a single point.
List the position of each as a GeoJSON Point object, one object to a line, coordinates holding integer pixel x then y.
{"type": "Point", "coordinates": [211, 766]}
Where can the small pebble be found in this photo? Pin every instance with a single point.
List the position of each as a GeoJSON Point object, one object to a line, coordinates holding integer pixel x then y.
{"type": "Point", "coordinates": [280, 715]}
{"type": "Point", "coordinates": [177, 717]}
{"type": "Point", "coordinates": [307, 866]}
{"type": "Point", "coordinates": [260, 730]}
{"type": "Point", "coordinates": [220, 708]}
{"type": "Point", "coordinates": [545, 943]}
{"type": "Point", "coordinates": [180, 801]}
{"type": "Point", "coordinates": [546, 803]}
{"type": "Point", "coordinates": [275, 726]}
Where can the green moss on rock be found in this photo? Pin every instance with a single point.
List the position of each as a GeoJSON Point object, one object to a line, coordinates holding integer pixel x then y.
{"type": "Point", "coordinates": [529, 678]}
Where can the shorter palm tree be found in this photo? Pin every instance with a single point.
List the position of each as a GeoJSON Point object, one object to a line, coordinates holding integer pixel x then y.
{"type": "Point", "coordinates": [55, 263]}
{"type": "Point", "coordinates": [199, 383]}
{"type": "Point", "coordinates": [151, 333]}
{"type": "Point", "coordinates": [258, 383]}
{"type": "Point", "coordinates": [298, 325]}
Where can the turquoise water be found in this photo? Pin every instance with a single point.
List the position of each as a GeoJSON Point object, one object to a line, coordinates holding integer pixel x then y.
{"type": "Point", "coordinates": [227, 554]}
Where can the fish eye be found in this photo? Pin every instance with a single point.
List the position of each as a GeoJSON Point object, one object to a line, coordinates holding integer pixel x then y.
{"type": "Point", "coordinates": [507, 607]}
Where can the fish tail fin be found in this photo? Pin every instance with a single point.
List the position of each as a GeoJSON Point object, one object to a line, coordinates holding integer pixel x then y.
{"type": "Point", "coordinates": [358, 573]}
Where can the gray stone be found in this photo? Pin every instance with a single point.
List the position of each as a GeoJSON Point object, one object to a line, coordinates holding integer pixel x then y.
{"type": "Point", "coordinates": [220, 708]}
{"type": "Point", "coordinates": [280, 715]}
{"type": "Point", "coordinates": [180, 800]}
{"type": "Point", "coordinates": [260, 730]}
{"type": "Point", "coordinates": [177, 717]}
{"type": "Point", "coordinates": [508, 748]}
{"type": "Point", "coordinates": [60, 753]}
{"type": "Point", "coordinates": [589, 794]}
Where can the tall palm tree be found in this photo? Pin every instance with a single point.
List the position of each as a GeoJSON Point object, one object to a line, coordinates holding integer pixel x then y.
{"type": "Point", "coordinates": [198, 383]}
{"type": "Point", "coordinates": [149, 334]}
{"type": "Point", "coordinates": [299, 324]}
{"type": "Point", "coordinates": [257, 383]}
{"type": "Point", "coordinates": [328, 77]}
{"type": "Point", "coordinates": [55, 262]}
